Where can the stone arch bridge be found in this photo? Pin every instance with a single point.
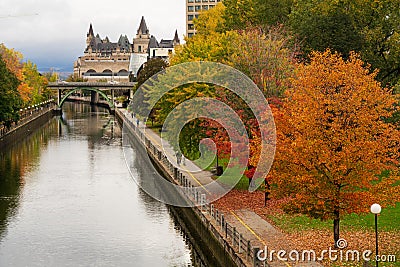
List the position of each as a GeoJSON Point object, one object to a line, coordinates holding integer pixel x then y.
{"type": "Point", "coordinates": [97, 89]}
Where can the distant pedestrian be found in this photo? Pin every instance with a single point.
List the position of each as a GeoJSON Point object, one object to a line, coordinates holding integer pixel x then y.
{"type": "Point", "coordinates": [137, 122]}
{"type": "Point", "coordinates": [178, 157]}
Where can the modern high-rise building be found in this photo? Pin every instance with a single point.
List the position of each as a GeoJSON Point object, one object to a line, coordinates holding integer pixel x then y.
{"type": "Point", "coordinates": [193, 9]}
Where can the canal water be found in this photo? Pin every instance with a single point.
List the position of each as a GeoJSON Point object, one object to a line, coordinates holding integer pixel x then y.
{"type": "Point", "coordinates": [67, 199]}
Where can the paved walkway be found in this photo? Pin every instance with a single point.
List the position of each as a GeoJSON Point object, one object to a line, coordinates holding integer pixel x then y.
{"type": "Point", "coordinates": [201, 178]}
{"type": "Point", "coordinates": [261, 233]}
{"type": "Point", "coordinates": [254, 228]}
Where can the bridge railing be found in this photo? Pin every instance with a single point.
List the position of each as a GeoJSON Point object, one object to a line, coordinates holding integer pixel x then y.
{"type": "Point", "coordinates": [27, 114]}
{"type": "Point", "coordinates": [63, 84]}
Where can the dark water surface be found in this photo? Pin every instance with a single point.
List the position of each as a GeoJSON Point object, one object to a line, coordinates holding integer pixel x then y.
{"type": "Point", "coordinates": [67, 199]}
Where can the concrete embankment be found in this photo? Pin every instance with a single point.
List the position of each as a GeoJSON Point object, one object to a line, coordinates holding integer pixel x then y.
{"type": "Point", "coordinates": [227, 246]}
{"type": "Point", "coordinates": [30, 121]}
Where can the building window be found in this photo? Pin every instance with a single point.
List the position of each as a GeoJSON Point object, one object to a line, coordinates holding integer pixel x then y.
{"type": "Point", "coordinates": [190, 1]}
{"type": "Point", "coordinates": [198, 1]}
{"type": "Point", "coordinates": [205, 7]}
{"type": "Point", "coordinates": [205, 1]}
{"type": "Point", "coordinates": [190, 8]}
{"type": "Point", "coordinates": [190, 34]}
{"type": "Point", "coordinates": [191, 26]}
{"type": "Point", "coordinates": [211, 6]}
{"type": "Point", "coordinates": [140, 48]}
{"type": "Point", "coordinates": [190, 17]}
{"type": "Point", "coordinates": [198, 8]}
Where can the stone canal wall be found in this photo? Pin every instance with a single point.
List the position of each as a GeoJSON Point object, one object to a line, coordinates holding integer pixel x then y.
{"type": "Point", "coordinates": [223, 240]}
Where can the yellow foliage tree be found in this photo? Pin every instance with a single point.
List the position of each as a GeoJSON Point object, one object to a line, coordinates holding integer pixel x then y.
{"type": "Point", "coordinates": [210, 43]}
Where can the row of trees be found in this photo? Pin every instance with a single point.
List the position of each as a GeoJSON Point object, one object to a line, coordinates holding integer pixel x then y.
{"type": "Point", "coordinates": [21, 85]}
{"type": "Point", "coordinates": [337, 127]}
{"type": "Point", "coordinates": [368, 27]}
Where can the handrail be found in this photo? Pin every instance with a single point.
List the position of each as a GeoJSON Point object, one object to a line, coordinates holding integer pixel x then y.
{"type": "Point", "coordinates": [217, 223]}
{"type": "Point", "coordinates": [28, 114]}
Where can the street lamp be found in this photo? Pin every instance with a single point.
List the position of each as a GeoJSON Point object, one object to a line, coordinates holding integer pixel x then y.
{"type": "Point", "coordinates": [376, 209]}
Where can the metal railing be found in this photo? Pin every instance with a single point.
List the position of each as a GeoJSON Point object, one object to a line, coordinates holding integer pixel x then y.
{"type": "Point", "coordinates": [230, 238]}
{"type": "Point", "coordinates": [28, 114]}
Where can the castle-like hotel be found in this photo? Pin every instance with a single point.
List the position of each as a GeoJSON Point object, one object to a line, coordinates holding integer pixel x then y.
{"type": "Point", "coordinates": [120, 61]}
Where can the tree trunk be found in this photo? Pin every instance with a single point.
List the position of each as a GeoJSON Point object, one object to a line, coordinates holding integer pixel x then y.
{"type": "Point", "coordinates": [267, 192]}
{"type": "Point", "coordinates": [336, 228]}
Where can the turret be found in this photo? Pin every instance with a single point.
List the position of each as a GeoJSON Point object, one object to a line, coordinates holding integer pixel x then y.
{"type": "Point", "coordinates": [143, 30]}
{"type": "Point", "coordinates": [141, 42]}
{"type": "Point", "coordinates": [90, 35]}
{"type": "Point", "coordinates": [176, 40]}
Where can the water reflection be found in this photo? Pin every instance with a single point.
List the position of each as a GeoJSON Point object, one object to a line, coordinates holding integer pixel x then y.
{"type": "Point", "coordinates": [67, 199]}
{"type": "Point", "coordinates": [145, 174]}
{"type": "Point", "coordinates": [16, 161]}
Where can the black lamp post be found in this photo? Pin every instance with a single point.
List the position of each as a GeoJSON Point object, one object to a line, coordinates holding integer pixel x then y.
{"type": "Point", "coordinates": [217, 158]}
{"type": "Point", "coordinates": [376, 209]}
{"type": "Point", "coordinates": [219, 169]}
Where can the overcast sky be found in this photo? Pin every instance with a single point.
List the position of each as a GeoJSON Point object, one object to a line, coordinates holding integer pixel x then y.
{"type": "Point", "coordinates": [52, 33]}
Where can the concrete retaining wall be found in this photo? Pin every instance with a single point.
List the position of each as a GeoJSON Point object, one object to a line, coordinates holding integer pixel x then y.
{"type": "Point", "coordinates": [206, 236]}
{"type": "Point", "coordinates": [26, 128]}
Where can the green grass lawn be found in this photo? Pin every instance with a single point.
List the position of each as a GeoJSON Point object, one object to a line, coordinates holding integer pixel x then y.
{"type": "Point", "coordinates": [388, 220]}
{"type": "Point", "coordinates": [228, 177]}
{"type": "Point", "coordinates": [204, 163]}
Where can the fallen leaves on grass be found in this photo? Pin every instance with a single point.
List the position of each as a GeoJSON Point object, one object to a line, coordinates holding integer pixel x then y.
{"type": "Point", "coordinates": [316, 239]}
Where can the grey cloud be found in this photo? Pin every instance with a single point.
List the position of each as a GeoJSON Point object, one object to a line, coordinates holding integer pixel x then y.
{"type": "Point", "coordinates": [57, 34]}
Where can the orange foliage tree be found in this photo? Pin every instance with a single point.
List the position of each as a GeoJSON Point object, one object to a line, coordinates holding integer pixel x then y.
{"type": "Point", "coordinates": [13, 60]}
{"type": "Point", "coordinates": [32, 84]}
{"type": "Point", "coordinates": [333, 141]}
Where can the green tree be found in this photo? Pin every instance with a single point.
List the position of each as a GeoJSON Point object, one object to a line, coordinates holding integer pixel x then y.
{"type": "Point", "coordinates": [367, 26]}
{"type": "Point", "coordinates": [380, 26]}
{"type": "Point", "coordinates": [321, 26]}
{"type": "Point", "coordinates": [240, 15]}
{"type": "Point", "coordinates": [10, 99]}
{"type": "Point", "coordinates": [272, 12]}
{"type": "Point", "coordinates": [151, 67]}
